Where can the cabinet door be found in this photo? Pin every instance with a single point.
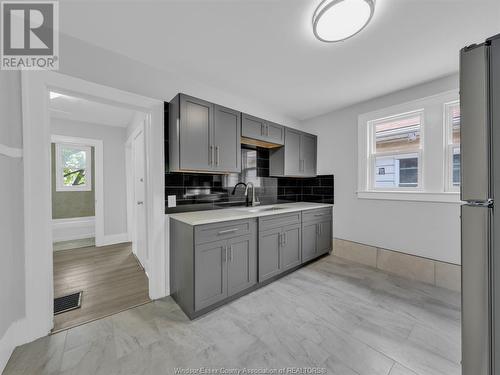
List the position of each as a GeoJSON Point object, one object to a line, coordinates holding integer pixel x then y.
{"type": "Point", "coordinates": [275, 133]}
{"type": "Point", "coordinates": [309, 235]}
{"type": "Point", "coordinates": [210, 274]}
{"type": "Point", "coordinates": [292, 154]}
{"type": "Point", "coordinates": [291, 255]}
{"type": "Point", "coordinates": [242, 264]}
{"type": "Point", "coordinates": [324, 237]}
{"type": "Point", "coordinates": [226, 140]}
{"type": "Point", "coordinates": [195, 137]}
{"type": "Point", "coordinates": [308, 154]}
{"type": "Point", "coordinates": [252, 127]}
{"type": "Point", "coordinates": [269, 253]}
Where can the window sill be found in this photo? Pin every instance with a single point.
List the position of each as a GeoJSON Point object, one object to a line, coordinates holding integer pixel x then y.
{"type": "Point", "coordinates": [415, 196]}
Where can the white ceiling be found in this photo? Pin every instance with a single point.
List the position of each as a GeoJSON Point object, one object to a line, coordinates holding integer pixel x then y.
{"type": "Point", "coordinates": [79, 109]}
{"type": "Point", "coordinates": [264, 49]}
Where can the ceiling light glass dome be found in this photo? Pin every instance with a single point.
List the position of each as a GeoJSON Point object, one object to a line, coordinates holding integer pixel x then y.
{"type": "Point", "coordinates": [337, 20]}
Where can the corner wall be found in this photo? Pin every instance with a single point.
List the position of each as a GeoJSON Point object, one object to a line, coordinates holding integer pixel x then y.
{"type": "Point", "coordinates": [425, 229]}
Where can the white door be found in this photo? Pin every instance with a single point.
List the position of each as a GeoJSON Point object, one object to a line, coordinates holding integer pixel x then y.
{"type": "Point", "coordinates": [139, 238]}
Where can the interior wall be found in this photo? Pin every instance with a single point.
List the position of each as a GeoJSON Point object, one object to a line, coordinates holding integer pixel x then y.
{"type": "Point", "coordinates": [71, 204]}
{"type": "Point", "coordinates": [426, 229]}
{"type": "Point", "coordinates": [115, 201]}
{"type": "Point", "coordinates": [12, 283]}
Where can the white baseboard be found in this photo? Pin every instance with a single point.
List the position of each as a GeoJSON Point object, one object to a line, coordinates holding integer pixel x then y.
{"type": "Point", "coordinates": [73, 228]}
{"type": "Point", "coordinates": [112, 239]}
{"type": "Point", "coordinates": [13, 337]}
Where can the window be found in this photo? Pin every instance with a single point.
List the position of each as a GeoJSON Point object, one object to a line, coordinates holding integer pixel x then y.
{"type": "Point", "coordinates": [411, 151]}
{"type": "Point", "coordinates": [452, 136]}
{"type": "Point", "coordinates": [396, 151]}
{"type": "Point", "coordinates": [73, 167]}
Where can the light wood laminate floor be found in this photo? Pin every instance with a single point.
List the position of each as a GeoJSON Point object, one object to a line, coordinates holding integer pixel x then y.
{"type": "Point", "coordinates": [347, 318]}
{"type": "Point", "coordinates": [111, 278]}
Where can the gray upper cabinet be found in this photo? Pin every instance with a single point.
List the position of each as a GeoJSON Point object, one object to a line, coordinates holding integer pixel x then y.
{"type": "Point", "coordinates": [256, 128]}
{"type": "Point", "coordinates": [297, 158]}
{"type": "Point", "coordinates": [227, 135]}
{"type": "Point", "coordinates": [203, 136]}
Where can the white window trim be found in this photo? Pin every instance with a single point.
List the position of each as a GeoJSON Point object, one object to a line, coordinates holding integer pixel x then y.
{"type": "Point", "coordinates": [448, 148]}
{"type": "Point", "coordinates": [88, 167]}
{"type": "Point", "coordinates": [424, 193]}
{"type": "Point", "coordinates": [372, 154]}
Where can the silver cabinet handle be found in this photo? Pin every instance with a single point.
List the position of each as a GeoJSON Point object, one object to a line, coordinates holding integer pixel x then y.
{"type": "Point", "coordinates": [224, 254]}
{"type": "Point", "coordinates": [317, 228]}
{"type": "Point", "coordinates": [319, 214]}
{"type": "Point", "coordinates": [280, 239]}
{"type": "Point", "coordinates": [228, 231]}
{"type": "Point", "coordinates": [262, 131]}
{"type": "Point", "coordinates": [320, 228]}
{"type": "Point", "coordinates": [140, 203]}
{"type": "Point", "coordinates": [267, 130]}
{"type": "Point", "coordinates": [285, 240]}
{"type": "Point", "coordinates": [217, 161]}
{"type": "Point", "coordinates": [210, 155]}
{"type": "Point", "coordinates": [231, 254]}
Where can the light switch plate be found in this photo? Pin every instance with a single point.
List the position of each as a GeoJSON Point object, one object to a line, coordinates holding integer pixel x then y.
{"type": "Point", "coordinates": [172, 202]}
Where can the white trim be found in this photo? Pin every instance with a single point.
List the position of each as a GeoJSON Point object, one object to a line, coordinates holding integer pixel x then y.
{"type": "Point", "coordinates": [13, 337]}
{"type": "Point", "coordinates": [431, 171]}
{"type": "Point", "coordinates": [98, 145]}
{"type": "Point", "coordinates": [11, 152]}
{"type": "Point", "coordinates": [417, 196]}
{"type": "Point", "coordinates": [59, 174]}
{"type": "Point", "coordinates": [75, 228]}
{"type": "Point", "coordinates": [37, 189]}
{"type": "Point", "coordinates": [112, 239]}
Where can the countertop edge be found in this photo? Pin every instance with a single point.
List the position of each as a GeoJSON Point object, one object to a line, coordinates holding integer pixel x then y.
{"type": "Point", "coordinates": [242, 215]}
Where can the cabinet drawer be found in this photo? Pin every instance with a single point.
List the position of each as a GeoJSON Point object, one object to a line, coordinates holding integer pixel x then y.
{"type": "Point", "coordinates": [320, 214]}
{"type": "Point", "coordinates": [274, 221]}
{"type": "Point", "coordinates": [221, 231]}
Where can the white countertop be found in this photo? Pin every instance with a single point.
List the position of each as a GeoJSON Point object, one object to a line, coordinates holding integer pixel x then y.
{"type": "Point", "coordinates": [238, 213]}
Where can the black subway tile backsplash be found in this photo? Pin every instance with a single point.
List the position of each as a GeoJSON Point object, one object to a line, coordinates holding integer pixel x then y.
{"type": "Point", "coordinates": [201, 191]}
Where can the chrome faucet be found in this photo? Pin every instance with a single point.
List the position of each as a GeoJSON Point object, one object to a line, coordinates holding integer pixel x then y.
{"type": "Point", "coordinates": [254, 201]}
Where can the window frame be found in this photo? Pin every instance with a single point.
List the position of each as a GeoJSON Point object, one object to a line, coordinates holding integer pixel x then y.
{"type": "Point", "coordinates": [449, 146]}
{"type": "Point", "coordinates": [59, 174]}
{"type": "Point", "coordinates": [432, 168]}
{"type": "Point", "coordinates": [372, 154]}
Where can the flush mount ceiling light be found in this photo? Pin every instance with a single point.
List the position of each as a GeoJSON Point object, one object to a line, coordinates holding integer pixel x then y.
{"type": "Point", "coordinates": [337, 20]}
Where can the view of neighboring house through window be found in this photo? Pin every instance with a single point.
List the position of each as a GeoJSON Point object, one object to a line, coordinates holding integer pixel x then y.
{"type": "Point", "coordinates": [73, 166]}
{"type": "Point", "coordinates": [452, 113]}
{"type": "Point", "coordinates": [396, 149]}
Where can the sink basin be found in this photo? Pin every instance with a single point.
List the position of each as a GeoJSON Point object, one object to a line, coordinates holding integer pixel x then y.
{"type": "Point", "coordinates": [261, 209]}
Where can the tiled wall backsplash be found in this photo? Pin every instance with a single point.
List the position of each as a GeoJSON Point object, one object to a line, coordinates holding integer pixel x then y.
{"type": "Point", "coordinates": [201, 191]}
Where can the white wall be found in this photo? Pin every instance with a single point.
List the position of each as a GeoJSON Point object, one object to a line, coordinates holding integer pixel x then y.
{"type": "Point", "coordinates": [115, 196]}
{"type": "Point", "coordinates": [12, 285]}
{"type": "Point", "coordinates": [430, 230]}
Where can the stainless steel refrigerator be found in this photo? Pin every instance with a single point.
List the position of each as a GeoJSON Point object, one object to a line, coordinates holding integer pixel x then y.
{"type": "Point", "coordinates": [480, 184]}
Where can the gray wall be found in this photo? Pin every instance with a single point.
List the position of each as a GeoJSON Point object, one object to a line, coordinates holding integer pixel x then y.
{"type": "Point", "coordinates": [115, 187]}
{"type": "Point", "coordinates": [12, 282]}
{"type": "Point", "coordinates": [70, 204]}
{"type": "Point", "coordinates": [425, 229]}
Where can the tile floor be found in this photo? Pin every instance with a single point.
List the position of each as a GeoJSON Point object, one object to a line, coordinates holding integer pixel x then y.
{"type": "Point", "coordinates": [345, 317]}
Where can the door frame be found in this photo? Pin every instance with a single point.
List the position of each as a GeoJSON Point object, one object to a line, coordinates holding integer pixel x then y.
{"type": "Point", "coordinates": [98, 177]}
{"type": "Point", "coordinates": [37, 188]}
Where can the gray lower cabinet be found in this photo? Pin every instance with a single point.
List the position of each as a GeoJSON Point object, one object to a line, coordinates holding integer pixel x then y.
{"type": "Point", "coordinates": [256, 128]}
{"type": "Point", "coordinates": [298, 156]}
{"type": "Point", "coordinates": [210, 263]}
{"type": "Point", "coordinates": [279, 245]}
{"type": "Point", "coordinates": [203, 136]}
{"type": "Point", "coordinates": [316, 233]}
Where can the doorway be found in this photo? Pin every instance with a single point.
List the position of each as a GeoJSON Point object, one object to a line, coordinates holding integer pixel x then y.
{"type": "Point", "coordinates": [99, 267]}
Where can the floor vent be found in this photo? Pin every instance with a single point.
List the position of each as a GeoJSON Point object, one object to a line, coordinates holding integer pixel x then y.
{"type": "Point", "coordinates": [67, 303]}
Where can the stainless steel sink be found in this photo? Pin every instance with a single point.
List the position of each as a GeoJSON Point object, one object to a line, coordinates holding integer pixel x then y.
{"type": "Point", "coordinates": [261, 209]}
